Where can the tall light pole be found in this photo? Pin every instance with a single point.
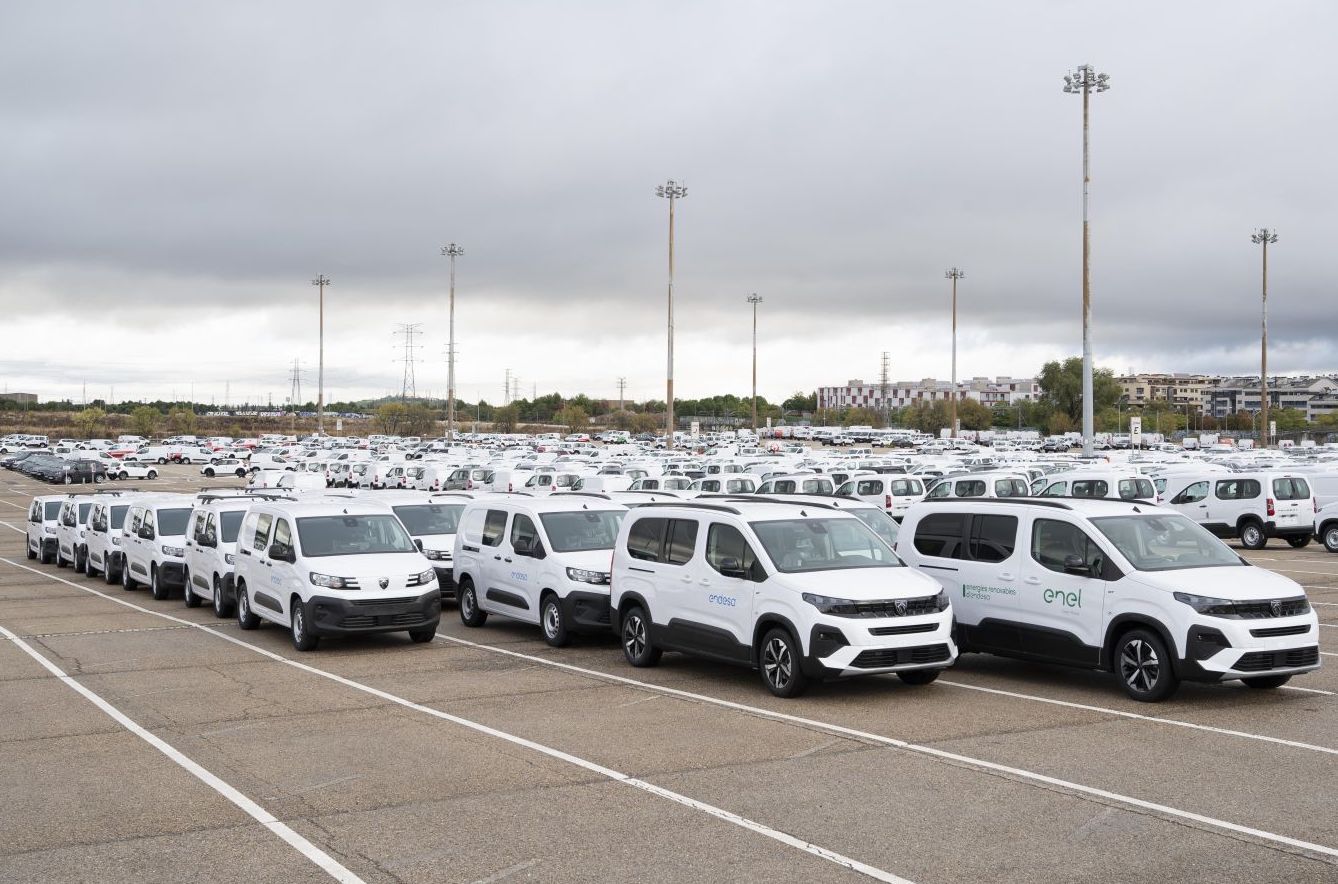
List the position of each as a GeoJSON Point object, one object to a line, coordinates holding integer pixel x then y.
{"type": "Point", "coordinates": [754, 299]}
{"type": "Point", "coordinates": [1264, 237]}
{"type": "Point", "coordinates": [1085, 80]}
{"type": "Point", "coordinates": [672, 191]}
{"type": "Point", "coordinates": [954, 274]}
{"type": "Point", "coordinates": [451, 251]}
{"type": "Point", "coordinates": [322, 281]}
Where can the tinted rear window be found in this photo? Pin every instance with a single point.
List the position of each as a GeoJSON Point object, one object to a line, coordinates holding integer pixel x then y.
{"type": "Point", "coordinates": [51, 510]}
{"type": "Point", "coordinates": [430, 518]}
{"type": "Point", "coordinates": [1290, 489]}
{"type": "Point", "coordinates": [940, 535]}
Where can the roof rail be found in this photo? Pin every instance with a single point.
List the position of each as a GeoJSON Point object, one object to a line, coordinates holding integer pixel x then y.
{"type": "Point", "coordinates": [601, 495]}
{"type": "Point", "coordinates": [715, 507]}
{"type": "Point", "coordinates": [1033, 501]}
{"type": "Point", "coordinates": [762, 498]}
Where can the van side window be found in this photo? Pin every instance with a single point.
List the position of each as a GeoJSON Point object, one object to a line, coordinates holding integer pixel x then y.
{"type": "Point", "coordinates": [261, 541]}
{"type": "Point", "coordinates": [148, 522]}
{"type": "Point", "coordinates": [1290, 489]}
{"type": "Point", "coordinates": [940, 534]}
{"type": "Point", "coordinates": [970, 488]}
{"type": "Point", "coordinates": [682, 541]}
{"type": "Point", "coordinates": [1090, 488]}
{"type": "Point", "coordinates": [1056, 489]}
{"type": "Point", "coordinates": [727, 542]}
{"type": "Point", "coordinates": [1237, 489]}
{"type": "Point", "coordinates": [523, 532]}
{"type": "Point", "coordinates": [1193, 494]}
{"type": "Point", "coordinates": [282, 533]}
{"type": "Point", "coordinates": [993, 538]}
{"type": "Point", "coordinates": [197, 525]}
{"type": "Point", "coordinates": [645, 540]}
{"type": "Point", "coordinates": [1052, 542]}
{"type": "Point", "coordinates": [494, 527]}
{"type": "Point", "coordinates": [942, 489]}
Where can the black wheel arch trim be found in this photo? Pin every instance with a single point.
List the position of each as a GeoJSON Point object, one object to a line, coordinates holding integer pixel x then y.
{"type": "Point", "coordinates": [1122, 623]}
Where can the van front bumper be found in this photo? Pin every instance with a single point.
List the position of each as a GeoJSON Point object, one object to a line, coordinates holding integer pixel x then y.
{"type": "Point", "coordinates": [445, 582]}
{"type": "Point", "coordinates": [355, 616]}
{"type": "Point", "coordinates": [172, 574]}
{"type": "Point", "coordinates": [587, 611]}
{"type": "Point", "coordinates": [850, 646]}
{"type": "Point", "coordinates": [1222, 649]}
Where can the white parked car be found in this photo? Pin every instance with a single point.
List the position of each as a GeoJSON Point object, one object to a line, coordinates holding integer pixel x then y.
{"type": "Point", "coordinates": [894, 493]}
{"type": "Point", "coordinates": [1115, 486]}
{"type": "Point", "coordinates": [333, 567]}
{"type": "Point", "coordinates": [223, 466]}
{"type": "Point", "coordinates": [105, 539]}
{"type": "Point", "coordinates": [71, 524]}
{"type": "Point", "coordinates": [431, 520]}
{"type": "Point", "coordinates": [1113, 585]}
{"type": "Point", "coordinates": [802, 483]}
{"type": "Point", "coordinates": [980, 485]}
{"type": "Point", "coordinates": [133, 470]}
{"type": "Point", "coordinates": [1250, 506]}
{"type": "Point", "coordinates": [800, 591]}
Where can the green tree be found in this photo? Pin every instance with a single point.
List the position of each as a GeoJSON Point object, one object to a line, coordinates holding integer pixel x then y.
{"type": "Point", "coordinates": [144, 420]}
{"type": "Point", "coordinates": [391, 417]}
{"type": "Point", "coordinates": [646, 423]}
{"type": "Point", "coordinates": [973, 415]}
{"type": "Point", "coordinates": [1061, 387]}
{"type": "Point", "coordinates": [181, 421]}
{"type": "Point", "coordinates": [90, 421]}
{"type": "Point", "coordinates": [801, 402]}
{"type": "Point", "coordinates": [420, 420]}
{"type": "Point", "coordinates": [1059, 423]}
{"type": "Point", "coordinates": [1289, 420]}
{"type": "Point", "coordinates": [504, 419]}
{"type": "Point", "coordinates": [573, 417]}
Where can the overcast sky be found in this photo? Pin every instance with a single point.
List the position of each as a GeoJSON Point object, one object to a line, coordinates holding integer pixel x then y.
{"type": "Point", "coordinates": [174, 175]}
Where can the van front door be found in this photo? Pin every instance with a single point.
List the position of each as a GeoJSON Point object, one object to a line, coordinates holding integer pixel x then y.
{"type": "Point", "coordinates": [1062, 597]}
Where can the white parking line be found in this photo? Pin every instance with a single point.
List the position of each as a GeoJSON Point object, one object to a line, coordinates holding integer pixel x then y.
{"type": "Point", "coordinates": [322, 859]}
{"type": "Point", "coordinates": [710, 809]}
{"type": "Point", "coordinates": [925, 750]}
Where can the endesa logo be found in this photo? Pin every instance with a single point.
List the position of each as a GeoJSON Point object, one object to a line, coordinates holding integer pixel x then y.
{"type": "Point", "coordinates": [726, 600]}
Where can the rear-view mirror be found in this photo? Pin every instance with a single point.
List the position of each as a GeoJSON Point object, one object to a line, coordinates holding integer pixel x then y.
{"type": "Point", "coordinates": [282, 552]}
{"type": "Point", "coordinates": [1076, 564]}
{"type": "Point", "coordinates": [731, 567]}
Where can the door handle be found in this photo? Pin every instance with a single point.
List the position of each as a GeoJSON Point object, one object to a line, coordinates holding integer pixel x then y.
{"type": "Point", "coordinates": [506, 559]}
{"type": "Point", "coordinates": [686, 579]}
{"type": "Point", "coordinates": [269, 564]}
{"type": "Point", "coordinates": [1034, 581]}
{"type": "Point", "coordinates": [498, 558]}
{"type": "Point", "coordinates": [1008, 577]}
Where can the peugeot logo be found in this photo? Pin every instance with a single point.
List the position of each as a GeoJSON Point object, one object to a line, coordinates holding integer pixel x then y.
{"type": "Point", "coordinates": [901, 608]}
{"type": "Point", "coordinates": [384, 581]}
{"type": "Point", "coordinates": [1276, 607]}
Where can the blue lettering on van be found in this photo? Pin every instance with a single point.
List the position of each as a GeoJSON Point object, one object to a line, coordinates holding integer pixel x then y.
{"type": "Point", "coordinates": [726, 600]}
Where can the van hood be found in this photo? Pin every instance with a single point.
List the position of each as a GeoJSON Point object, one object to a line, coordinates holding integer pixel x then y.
{"type": "Point", "coordinates": [589, 560]}
{"type": "Point", "coordinates": [368, 569]}
{"type": "Point", "coordinates": [862, 584]}
{"type": "Point", "coordinates": [1245, 583]}
{"type": "Point", "coordinates": [441, 542]}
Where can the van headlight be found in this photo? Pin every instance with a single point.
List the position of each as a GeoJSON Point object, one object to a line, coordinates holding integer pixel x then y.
{"type": "Point", "coordinates": [116, 541]}
{"type": "Point", "coordinates": [173, 550]}
{"type": "Point", "coordinates": [941, 600]}
{"type": "Point", "coordinates": [580, 575]}
{"type": "Point", "coordinates": [833, 606]}
{"type": "Point", "coordinates": [329, 582]}
{"type": "Point", "coordinates": [437, 555]}
{"type": "Point", "coordinates": [1207, 605]}
{"type": "Point", "coordinates": [426, 577]}
{"type": "Point", "coordinates": [229, 558]}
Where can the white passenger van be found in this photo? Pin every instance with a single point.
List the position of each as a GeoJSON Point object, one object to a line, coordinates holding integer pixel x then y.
{"type": "Point", "coordinates": [43, 522]}
{"type": "Point", "coordinates": [541, 560]}
{"type": "Point", "coordinates": [153, 550]}
{"type": "Point", "coordinates": [894, 493]}
{"type": "Point", "coordinates": [333, 567]}
{"type": "Point", "coordinates": [105, 540]}
{"type": "Point", "coordinates": [799, 590]}
{"type": "Point", "coordinates": [71, 524]}
{"type": "Point", "coordinates": [1117, 486]}
{"type": "Point", "coordinates": [800, 483]}
{"type": "Point", "coordinates": [1114, 585]}
{"type": "Point", "coordinates": [1250, 506]}
{"type": "Point", "coordinates": [431, 520]}
{"type": "Point", "coordinates": [211, 549]}
{"type": "Point", "coordinates": [992, 484]}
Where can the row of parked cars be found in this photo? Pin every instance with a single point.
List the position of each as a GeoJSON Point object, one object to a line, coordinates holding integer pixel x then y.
{"type": "Point", "coordinates": [801, 587]}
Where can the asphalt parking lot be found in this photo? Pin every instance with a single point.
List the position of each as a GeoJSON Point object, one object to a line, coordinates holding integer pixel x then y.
{"type": "Point", "coordinates": [156, 743]}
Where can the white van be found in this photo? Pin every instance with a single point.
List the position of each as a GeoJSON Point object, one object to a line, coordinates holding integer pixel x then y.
{"type": "Point", "coordinates": [1115, 486]}
{"type": "Point", "coordinates": [71, 525]}
{"type": "Point", "coordinates": [43, 522]}
{"type": "Point", "coordinates": [797, 590]}
{"type": "Point", "coordinates": [1249, 506]}
{"type": "Point", "coordinates": [153, 550]}
{"type": "Point", "coordinates": [799, 483]}
{"type": "Point", "coordinates": [432, 521]}
{"type": "Point", "coordinates": [992, 484]}
{"type": "Point", "coordinates": [1114, 585]}
{"type": "Point", "coordinates": [333, 567]}
{"type": "Point", "coordinates": [894, 493]}
{"type": "Point", "coordinates": [104, 539]}
{"type": "Point", "coordinates": [723, 483]}
{"type": "Point", "coordinates": [541, 560]}
{"type": "Point", "coordinates": [211, 550]}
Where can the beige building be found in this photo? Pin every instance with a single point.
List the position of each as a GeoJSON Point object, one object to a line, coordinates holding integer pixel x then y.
{"type": "Point", "coordinates": [1177, 389]}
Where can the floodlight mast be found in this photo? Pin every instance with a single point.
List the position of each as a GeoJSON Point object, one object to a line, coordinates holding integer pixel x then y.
{"type": "Point", "coordinates": [754, 299]}
{"type": "Point", "coordinates": [672, 191]}
{"type": "Point", "coordinates": [954, 274]}
{"type": "Point", "coordinates": [1084, 81]}
{"type": "Point", "coordinates": [1264, 237]}
{"type": "Point", "coordinates": [322, 281]}
{"type": "Point", "coordinates": [452, 251]}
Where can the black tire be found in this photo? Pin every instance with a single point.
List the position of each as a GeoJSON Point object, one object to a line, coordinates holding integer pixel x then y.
{"type": "Point", "coordinates": [81, 561]}
{"type": "Point", "coordinates": [60, 559]}
{"type": "Point", "coordinates": [422, 636]}
{"type": "Point", "coordinates": [123, 475]}
{"type": "Point", "coordinates": [1252, 536]}
{"type": "Point", "coordinates": [241, 473]}
{"type": "Point", "coordinates": [1266, 682]}
{"type": "Point", "coordinates": [156, 588]}
{"type": "Point", "coordinates": [188, 595]}
{"type": "Point", "coordinates": [1331, 538]}
{"type": "Point", "coordinates": [470, 612]}
{"type": "Point", "coordinates": [919, 676]}
{"type": "Point", "coordinates": [43, 557]}
{"type": "Point", "coordinates": [303, 638]}
{"type": "Point", "coordinates": [128, 583]}
{"type": "Point", "coordinates": [162, 461]}
{"type": "Point", "coordinates": [153, 474]}
{"type": "Point", "coordinates": [245, 619]}
{"type": "Point", "coordinates": [553, 621]}
{"type": "Point", "coordinates": [27, 547]}
{"type": "Point", "coordinates": [1298, 542]}
{"type": "Point", "coordinates": [69, 480]}
{"type": "Point", "coordinates": [109, 574]}
{"type": "Point", "coordinates": [778, 661]}
{"type": "Point", "coordinates": [634, 633]}
{"type": "Point", "coordinates": [1144, 666]}
{"type": "Point", "coordinates": [221, 607]}
{"type": "Point", "coordinates": [209, 471]}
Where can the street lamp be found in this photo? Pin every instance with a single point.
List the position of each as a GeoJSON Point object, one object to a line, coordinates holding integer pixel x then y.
{"type": "Point", "coordinates": [451, 251]}
{"type": "Point", "coordinates": [954, 274]}
{"type": "Point", "coordinates": [672, 191]}
{"type": "Point", "coordinates": [754, 299]}
{"type": "Point", "coordinates": [1085, 80]}
{"type": "Point", "coordinates": [322, 281]}
{"type": "Point", "coordinates": [1264, 237]}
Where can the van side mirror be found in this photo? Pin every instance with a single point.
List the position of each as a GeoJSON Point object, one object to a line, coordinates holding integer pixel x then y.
{"type": "Point", "coordinates": [418, 542]}
{"type": "Point", "coordinates": [282, 552]}
{"type": "Point", "coordinates": [209, 539]}
{"type": "Point", "coordinates": [1076, 564]}
{"type": "Point", "coordinates": [731, 567]}
{"type": "Point", "coordinates": [146, 532]}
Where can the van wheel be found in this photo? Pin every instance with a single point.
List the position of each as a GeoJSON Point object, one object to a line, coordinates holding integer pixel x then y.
{"type": "Point", "coordinates": [303, 638]}
{"type": "Point", "coordinates": [156, 588]}
{"type": "Point", "coordinates": [245, 619]}
{"type": "Point", "coordinates": [123, 475]}
{"type": "Point", "coordinates": [1331, 538]}
{"type": "Point", "coordinates": [1267, 682]}
{"type": "Point", "coordinates": [221, 605]}
{"type": "Point", "coordinates": [127, 582]}
{"type": "Point", "coordinates": [60, 560]}
{"type": "Point", "coordinates": [188, 595]}
{"type": "Point", "coordinates": [555, 625]}
{"type": "Point", "coordinates": [1298, 542]}
{"type": "Point", "coordinates": [162, 460]}
{"type": "Point", "coordinates": [470, 613]}
{"type": "Point", "coordinates": [637, 647]}
{"type": "Point", "coordinates": [779, 663]}
{"type": "Point", "coordinates": [1252, 536]}
{"type": "Point", "coordinates": [109, 575]}
{"type": "Point", "coordinates": [919, 676]}
{"type": "Point", "coordinates": [1144, 665]}
{"type": "Point", "coordinates": [81, 562]}
{"type": "Point", "coordinates": [32, 555]}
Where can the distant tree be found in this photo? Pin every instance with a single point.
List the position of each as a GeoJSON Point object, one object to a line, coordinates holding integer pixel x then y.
{"type": "Point", "coordinates": [144, 420]}
{"type": "Point", "coordinates": [181, 421]}
{"type": "Point", "coordinates": [646, 423]}
{"type": "Point", "coordinates": [622, 420]}
{"type": "Point", "coordinates": [1061, 387]}
{"type": "Point", "coordinates": [973, 415]}
{"type": "Point", "coordinates": [391, 417]}
{"type": "Point", "coordinates": [573, 417]}
{"type": "Point", "coordinates": [800, 401]}
{"type": "Point", "coordinates": [1289, 420]}
{"type": "Point", "coordinates": [90, 422]}
{"type": "Point", "coordinates": [419, 420]}
{"type": "Point", "coordinates": [1059, 423]}
{"type": "Point", "coordinates": [504, 419]}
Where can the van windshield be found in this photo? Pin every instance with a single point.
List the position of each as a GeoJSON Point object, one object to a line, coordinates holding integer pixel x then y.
{"type": "Point", "coordinates": [430, 518]}
{"type": "Point", "coordinates": [1165, 543]}
{"type": "Point", "coordinates": [582, 531]}
{"type": "Point", "coordinates": [231, 522]}
{"type": "Point", "coordinates": [118, 515]}
{"type": "Point", "coordinates": [173, 521]}
{"type": "Point", "coordinates": [51, 510]}
{"type": "Point", "coordinates": [353, 535]}
{"type": "Point", "coordinates": [797, 545]}
{"type": "Point", "coordinates": [880, 523]}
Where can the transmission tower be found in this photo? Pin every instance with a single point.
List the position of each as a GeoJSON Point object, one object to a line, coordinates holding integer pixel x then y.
{"type": "Point", "coordinates": [408, 387]}
{"type": "Point", "coordinates": [506, 393]}
{"type": "Point", "coordinates": [883, 382]}
{"type": "Point", "coordinates": [622, 389]}
{"type": "Point", "coordinates": [295, 378]}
